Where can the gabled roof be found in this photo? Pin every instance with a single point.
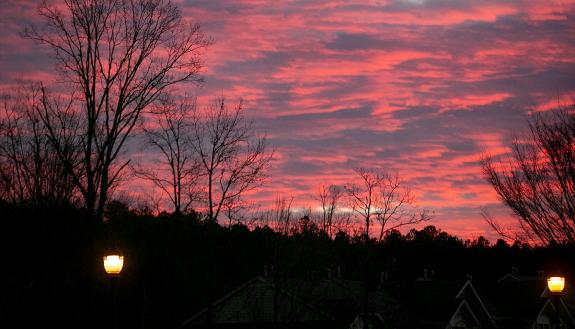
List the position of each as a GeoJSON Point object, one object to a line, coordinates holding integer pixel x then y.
{"type": "Point", "coordinates": [331, 289]}
{"type": "Point", "coordinates": [509, 277]}
{"type": "Point", "coordinates": [465, 313]}
{"type": "Point", "coordinates": [514, 302]}
{"type": "Point", "coordinates": [260, 300]}
{"type": "Point", "coordinates": [374, 321]}
{"type": "Point", "coordinates": [567, 303]}
{"type": "Point", "coordinates": [476, 302]}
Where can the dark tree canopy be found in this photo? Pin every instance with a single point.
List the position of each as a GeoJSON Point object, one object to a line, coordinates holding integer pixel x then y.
{"type": "Point", "coordinates": [165, 279]}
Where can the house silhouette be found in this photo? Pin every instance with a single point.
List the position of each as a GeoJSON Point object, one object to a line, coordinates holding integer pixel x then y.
{"type": "Point", "coordinates": [512, 302]}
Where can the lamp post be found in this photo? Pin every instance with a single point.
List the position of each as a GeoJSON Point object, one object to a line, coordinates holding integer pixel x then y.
{"type": "Point", "coordinates": [556, 284]}
{"type": "Point", "coordinates": [113, 264]}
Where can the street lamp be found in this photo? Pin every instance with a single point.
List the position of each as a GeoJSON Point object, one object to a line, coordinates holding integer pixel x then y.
{"type": "Point", "coordinates": [113, 264]}
{"type": "Point", "coordinates": [556, 284]}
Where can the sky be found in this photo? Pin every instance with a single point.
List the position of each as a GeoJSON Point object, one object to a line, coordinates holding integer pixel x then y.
{"type": "Point", "coordinates": [420, 88]}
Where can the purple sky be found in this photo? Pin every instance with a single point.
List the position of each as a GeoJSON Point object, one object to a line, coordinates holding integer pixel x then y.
{"type": "Point", "coordinates": [418, 87]}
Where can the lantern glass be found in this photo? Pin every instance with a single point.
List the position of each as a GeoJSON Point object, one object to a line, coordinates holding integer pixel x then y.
{"type": "Point", "coordinates": [113, 264]}
{"type": "Point", "coordinates": [556, 284]}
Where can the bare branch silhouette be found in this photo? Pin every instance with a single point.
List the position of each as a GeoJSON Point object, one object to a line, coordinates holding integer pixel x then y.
{"type": "Point", "coordinates": [179, 171]}
{"type": "Point", "coordinates": [117, 57]}
{"type": "Point", "coordinates": [329, 198]}
{"type": "Point", "coordinates": [30, 172]}
{"type": "Point", "coordinates": [537, 182]}
{"type": "Point", "coordinates": [396, 207]}
{"type": "Point", "coordinates": [384, 197]}
{"type": "Point", "coordinates": [364, 196]}
{"type": "Point", "coordinates": [233, 159]}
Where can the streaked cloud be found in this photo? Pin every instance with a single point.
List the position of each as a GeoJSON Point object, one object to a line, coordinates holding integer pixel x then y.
{"type": "Point", "coordinates": [421, 87]}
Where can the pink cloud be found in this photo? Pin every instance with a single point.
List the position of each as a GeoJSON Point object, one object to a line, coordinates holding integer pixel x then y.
{"type": "Point", "coordinates": [418, 87]}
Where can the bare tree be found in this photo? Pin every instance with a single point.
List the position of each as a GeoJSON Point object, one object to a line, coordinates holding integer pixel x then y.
{"type": "Point", "coordinates": [178, 174]}
{"type": "Point", "coordinates": [30, 172]}
{"type": "Point", "coordinates": [396, 206]}
{"type": "Point", "coordinates": [237, 210]}
{"type": "Point", "coordinates": [281, 214]}
{"type": "Point", "coordinates": [329, 198]}
{"type": "Point", "coordinates": [342, 221]}
{"type": "Point", "coordinates": [384, 197]}
{"type": "Point", "coordinates": [233, 159]}
{"type": "Point", "coordinates": [117, 57]}
{"type": "Point", "coordinates": [508, 231]}
{"type": "Point", "coordinates": [537, 181]}
{"type": "Point", "coordinates": [364, 196]}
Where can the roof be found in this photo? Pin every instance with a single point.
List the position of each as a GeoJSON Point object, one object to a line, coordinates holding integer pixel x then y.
{"type": "Point", "coordinates": [374, 321]}
{"type": "Point", "coordinates": [260, 300]}
{"type": "Point", "coordinates": [514, 302]}
{"type": "Point", "coordinates": [431, 301]}
{"type": "Point", "coordinates": [464, 316]}
{"type": "Point", "coordinates": [331, 289]}
{"type": "Point", "coordinates": [477, 303]}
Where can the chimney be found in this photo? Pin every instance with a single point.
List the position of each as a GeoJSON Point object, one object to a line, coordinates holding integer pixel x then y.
{"type": "Point", "coordinates": [383, 277]}
{"type": "Point", "coordinates": [265, 271]}
{"type": "Point", "coordinates": [425, 274]}
{"type": "Point", "coordinates": [514, 270]}
{"type": "Point", "coordinates": [469, 277]}
{"type": "Point", "coordinates": [329, 273]}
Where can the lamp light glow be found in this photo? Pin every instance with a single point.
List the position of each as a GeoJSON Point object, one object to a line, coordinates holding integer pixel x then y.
{"type": "Point", "coordinates": [556, 284]}
{"type": "Point", "coordinates": [113, 264]}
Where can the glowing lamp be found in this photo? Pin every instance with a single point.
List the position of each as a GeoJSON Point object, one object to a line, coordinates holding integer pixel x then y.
{"type": "Point", "coordinates": [556, 284]}
{"type": "Point", "coordinates": [113, 264]}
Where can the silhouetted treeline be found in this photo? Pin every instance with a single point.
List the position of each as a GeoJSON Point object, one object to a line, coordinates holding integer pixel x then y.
{"type": "Point", "coordinates": [46, 261]}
